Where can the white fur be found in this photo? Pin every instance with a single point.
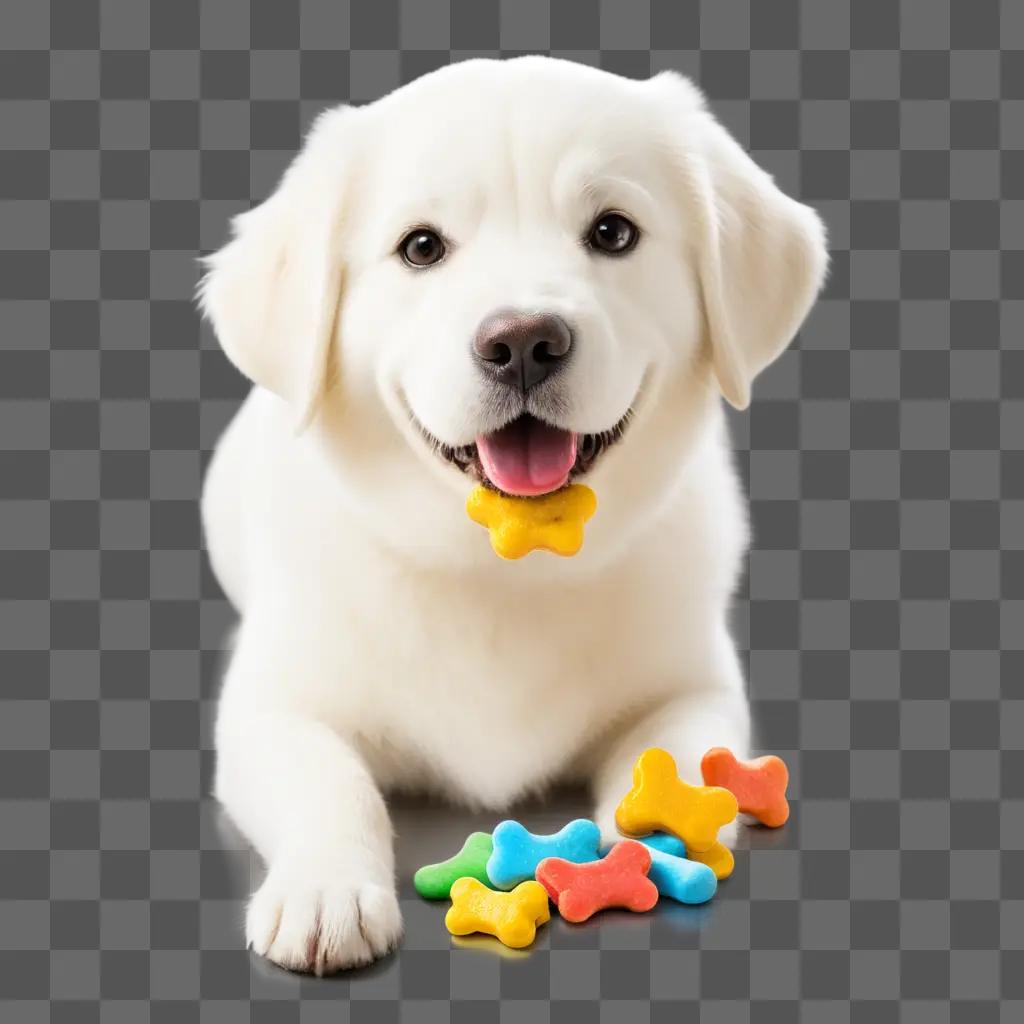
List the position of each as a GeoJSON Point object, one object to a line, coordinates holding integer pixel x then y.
{"type": "Point", "coordinates": [382, 644]}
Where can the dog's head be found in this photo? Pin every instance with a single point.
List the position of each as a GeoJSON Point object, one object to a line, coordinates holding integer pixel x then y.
{"type": "Point", "coordinates": [525, 272]}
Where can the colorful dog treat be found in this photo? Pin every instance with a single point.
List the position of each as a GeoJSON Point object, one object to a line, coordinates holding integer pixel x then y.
{"type": "Point", "coordinates": [661, 801]}
{"type": "Point", "coordinates": [665, 842]}
{"type": "Point", "coordinates": [718, 857]}
{"type": "Point", "coordinates": [511, 917]}
{"type": "Point", "coordinates": [517, 852]}
{"type": "Point", "coordinates": [680, 879]}
{"type": "Point", "coordinates": [518, 526]}
{"type": "Point", "coordinates": [619, 880]}
{"type": "Point", "coordinates": [676, 876]}
{"type": "Point", "coordinates": [434, 881]}
{"type": "Point", "coordinates": [758, 785]}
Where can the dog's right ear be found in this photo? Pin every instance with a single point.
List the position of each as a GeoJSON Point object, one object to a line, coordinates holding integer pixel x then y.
{"type": "Point", "coordinates": [761, 256]}
{"type": "Point", "coordinates": [272, 293]}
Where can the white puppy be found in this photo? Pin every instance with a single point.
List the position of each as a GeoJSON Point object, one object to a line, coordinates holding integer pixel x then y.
{"type": "Point", "coordinates": [529, 271]}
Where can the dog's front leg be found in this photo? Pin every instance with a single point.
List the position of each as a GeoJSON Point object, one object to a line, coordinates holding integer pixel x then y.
{"type": "Point", "coordinates": [307, 802]}
{"type": "Point", "coordinates": [686, 726]}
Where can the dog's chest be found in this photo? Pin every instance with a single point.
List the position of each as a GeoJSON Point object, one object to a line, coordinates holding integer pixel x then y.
{"type": "Point", "coordinates": [488, 692]}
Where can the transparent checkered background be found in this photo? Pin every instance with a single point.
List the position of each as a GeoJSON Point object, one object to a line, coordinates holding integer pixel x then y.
{"type": "Point", "coordinates": [884, 455]}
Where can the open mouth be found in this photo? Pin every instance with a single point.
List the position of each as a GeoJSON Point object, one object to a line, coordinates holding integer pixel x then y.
{"type": "Point", "coordinates": [528, 457]}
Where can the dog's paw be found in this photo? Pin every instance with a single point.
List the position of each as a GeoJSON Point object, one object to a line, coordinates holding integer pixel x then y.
{"type": "Point", "coordinates": [320, 925]}
{"type": "Point", "coordinates": [604, 815]}
{"type": "Point", "coordinates": [728, 833]}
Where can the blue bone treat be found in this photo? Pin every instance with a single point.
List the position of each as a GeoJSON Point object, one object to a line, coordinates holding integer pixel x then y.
{"type": "Point", "coordinates": [663, 841]}
{"type": "Point", "coordinates": [666, 843]}
{"type": "Point", "coordinates": [685, 881]}
{"type": "Point", "coordinates": [517, 852]}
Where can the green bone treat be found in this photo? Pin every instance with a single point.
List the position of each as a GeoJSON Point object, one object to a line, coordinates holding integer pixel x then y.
{"type": "Point", "coordinates": [434, 881]}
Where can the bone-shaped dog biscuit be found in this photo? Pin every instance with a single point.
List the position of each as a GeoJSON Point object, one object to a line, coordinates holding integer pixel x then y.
{"type": "Point", "coordinates": [517, 852]}
{"type": "Point", "coordinates": [434, 881]}
{"type": "Point", "coordinates": [718, 857]}
{"type": "Point", "coordinates": [682, 879]}
{"type": "Point", "coordinates": [685, 880]}
{"type": "Point", "coordinates": [666, 843]}
{"type": "Point", "coordinates": [759, 785]}
{"type": "Point", "coordinates": [518, 526]}
{"type": "Point", "coordinates": [661, 801]}
{"type": "Point", "coordinates": [511, 917]}
{"type": "Point", "coordinates": [620, 880]}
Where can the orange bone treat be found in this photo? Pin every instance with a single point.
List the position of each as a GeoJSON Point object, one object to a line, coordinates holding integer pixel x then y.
{"type": "Point", "coordinates": [758, 785]}
{"type": "Point", "coordinates": [661, 802]}
{"type": "Point", "coordinates": [620, 880]}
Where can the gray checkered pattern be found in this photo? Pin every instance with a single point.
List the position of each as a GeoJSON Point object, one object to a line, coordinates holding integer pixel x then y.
{"type": "Point", "coordinates": [884, 454]}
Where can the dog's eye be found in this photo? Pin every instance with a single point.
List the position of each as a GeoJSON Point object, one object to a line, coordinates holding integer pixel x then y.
{"type": "Point", "coordinates": [613, 234]}
{"type": "Point", "coordinates": [422, 248]}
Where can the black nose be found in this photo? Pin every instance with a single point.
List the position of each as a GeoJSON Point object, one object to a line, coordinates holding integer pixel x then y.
{"type": "Point", "coordinates": [522, 349]}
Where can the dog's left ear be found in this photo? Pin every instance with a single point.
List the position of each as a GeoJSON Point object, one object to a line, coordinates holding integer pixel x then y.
{"type": "Point", "coordinates": [272, 293]}
{"type": "Point", "coordinates": [761, 256]}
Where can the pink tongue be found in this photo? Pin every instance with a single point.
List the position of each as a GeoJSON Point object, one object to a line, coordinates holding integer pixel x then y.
{"type": "Point", "coordinates": [527, 457]}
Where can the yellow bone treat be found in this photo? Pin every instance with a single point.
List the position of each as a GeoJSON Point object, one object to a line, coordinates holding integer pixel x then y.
{"type": "Point", "coordinates": [518, 526]}
{"type": "Point", "coordinates": [661, 802]}
{"type": "Point", "coordinates": [511, 917]}
{"type": "Point", "coordinates": [718, 857]}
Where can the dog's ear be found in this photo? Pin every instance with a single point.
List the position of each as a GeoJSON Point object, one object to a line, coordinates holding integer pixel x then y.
{"type": "Point", "coordinates": [761, 256]}
{"type": "Point", "coordinates": [272, 293]}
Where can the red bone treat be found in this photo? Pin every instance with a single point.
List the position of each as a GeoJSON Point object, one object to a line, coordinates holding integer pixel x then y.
{"type": "Point", "coordinates": [620, 880]}
{"type": "Point", "coordinates": [758, 785]}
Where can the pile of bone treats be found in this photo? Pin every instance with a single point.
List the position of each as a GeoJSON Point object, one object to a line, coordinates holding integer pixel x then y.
{"type": "Point", "coordinates": [502, 883]}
